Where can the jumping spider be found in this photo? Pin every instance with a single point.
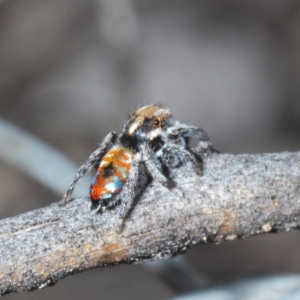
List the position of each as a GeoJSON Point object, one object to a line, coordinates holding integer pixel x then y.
{"type": "Point", "coordinates": [151, 141]}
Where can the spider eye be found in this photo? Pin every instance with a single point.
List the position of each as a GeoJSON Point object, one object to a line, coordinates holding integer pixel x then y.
{"type": "Point", "coordinates": [156, 123]}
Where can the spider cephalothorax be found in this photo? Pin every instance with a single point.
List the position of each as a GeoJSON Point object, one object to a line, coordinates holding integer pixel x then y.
{"type": "Point", "coordinates": [151, 140]}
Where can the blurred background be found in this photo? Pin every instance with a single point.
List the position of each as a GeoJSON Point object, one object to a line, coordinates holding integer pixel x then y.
{"type": "Point", "coordinates": [71, 71]}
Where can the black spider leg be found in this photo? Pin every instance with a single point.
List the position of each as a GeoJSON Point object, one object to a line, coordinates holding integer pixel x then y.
{"type": "Point", "coordinates": [186, 131]}
{"type": "Point", "coordinates": [204, 146]}
{"type": "Point", "coordinates": [136, 181]}
{"type": "Point", "coordinates": [154, 166]}
{"type": "Point", "coordinates": [145, 163]}
{"type": "Point", "coordinates": [94, 158]}
{"type": "Point", "coordinates": [173, 155]}
{"type": "Point", "coordinates": [142, 165]}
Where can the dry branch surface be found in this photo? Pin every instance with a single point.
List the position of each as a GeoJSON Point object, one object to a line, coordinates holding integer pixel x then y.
{"type": "Point", "coordinates": [237, 196]}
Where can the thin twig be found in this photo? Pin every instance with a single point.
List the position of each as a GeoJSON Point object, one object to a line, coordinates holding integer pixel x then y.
{"type": "Point", "coordinates": [237, 196]}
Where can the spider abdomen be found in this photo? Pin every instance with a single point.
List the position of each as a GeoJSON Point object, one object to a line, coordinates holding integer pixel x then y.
{"type": "Point", "coordinates": [112, 174]}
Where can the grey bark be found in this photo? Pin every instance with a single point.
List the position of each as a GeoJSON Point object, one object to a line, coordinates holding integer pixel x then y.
{"type": "Point", "coordinates": [237, 196]}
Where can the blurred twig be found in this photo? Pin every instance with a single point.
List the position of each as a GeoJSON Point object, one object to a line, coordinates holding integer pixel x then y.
{"type": "Point", "coordinates": [237, 196]}
{"type": "Point", "coordinates": [37, 158]}
{"type": "Point", "coordinates": [271, 287]}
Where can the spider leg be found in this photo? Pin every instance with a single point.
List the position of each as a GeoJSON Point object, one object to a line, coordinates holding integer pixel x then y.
{"type": "Point", "coordinates": [136, 181]}
{"type": "Point", "coordinates": [99, 208]}
{"type": "Point", "coordinates": [204, 145]}
{"type": "Point", "coordinates": [95, 157]}
{"type": "Point", "coordinates": [185, 130]}
{"type": "Point", "coordinates": [152, 164]}
{"type": "Point", "coordinates": [173, 155]}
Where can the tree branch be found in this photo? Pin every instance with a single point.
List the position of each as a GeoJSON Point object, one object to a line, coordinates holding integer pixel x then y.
{"type": "Point", "coordinates": [237, 196]}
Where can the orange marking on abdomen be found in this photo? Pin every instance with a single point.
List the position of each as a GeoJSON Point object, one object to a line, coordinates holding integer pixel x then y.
{"type": "Point", "coordinates": [117, 158]}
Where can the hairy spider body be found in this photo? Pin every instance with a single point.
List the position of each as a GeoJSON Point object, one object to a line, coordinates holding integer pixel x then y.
{"type": "Point", "coordinates": [111, 175]}
{"type": "Point", "coordinates": [151, 141]}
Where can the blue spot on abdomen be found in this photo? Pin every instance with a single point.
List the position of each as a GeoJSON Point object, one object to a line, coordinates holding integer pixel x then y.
{"type": "Point", "coordinates": [115, 186]}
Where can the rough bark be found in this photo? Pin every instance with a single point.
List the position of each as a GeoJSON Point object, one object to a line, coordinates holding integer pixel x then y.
{"type": "Point", "coordinates": [237, 196]}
